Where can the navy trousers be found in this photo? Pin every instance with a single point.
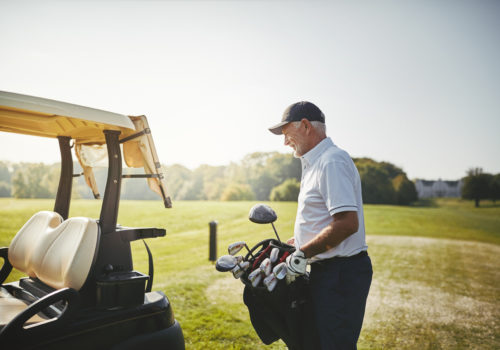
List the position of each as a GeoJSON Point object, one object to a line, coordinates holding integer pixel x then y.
{"type": "Point", "coordinates": [339, 288]}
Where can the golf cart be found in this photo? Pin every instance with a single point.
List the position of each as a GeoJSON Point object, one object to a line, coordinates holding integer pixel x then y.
{"type": "Point", "coordinates": [82, 291]}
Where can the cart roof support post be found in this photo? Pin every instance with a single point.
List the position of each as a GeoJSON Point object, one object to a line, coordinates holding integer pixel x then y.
{"type": "Point", "coordinates": [63, 197]}
{"type": "Point", "coordinates": [111, 199]}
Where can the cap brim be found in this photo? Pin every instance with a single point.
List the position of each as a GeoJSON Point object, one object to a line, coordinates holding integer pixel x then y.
{"type": "Point", "coordinates": [277, 129]}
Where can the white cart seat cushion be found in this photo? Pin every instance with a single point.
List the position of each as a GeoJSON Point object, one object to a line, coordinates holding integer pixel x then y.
{"type": "Point", "coordinates": [25, 242]}
{"type": "Point", "coordinates": [59, 256]}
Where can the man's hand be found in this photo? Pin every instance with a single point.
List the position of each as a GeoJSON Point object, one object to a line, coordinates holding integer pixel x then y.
{"type": "Point", "coordinates": [296, 263]}
{"type": "Point", "coordinates": [291, 241]}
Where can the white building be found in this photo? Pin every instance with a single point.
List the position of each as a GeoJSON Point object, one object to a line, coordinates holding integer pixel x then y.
{"type": "Point", "coordinates": [439, 188]}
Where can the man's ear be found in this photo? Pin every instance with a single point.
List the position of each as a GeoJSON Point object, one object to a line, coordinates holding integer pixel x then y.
{"type": "Point", "coordinates": [307, 125]}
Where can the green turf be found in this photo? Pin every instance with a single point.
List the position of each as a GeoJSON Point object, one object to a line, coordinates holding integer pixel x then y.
{"type": "Point", "coordinates": [436, 278]}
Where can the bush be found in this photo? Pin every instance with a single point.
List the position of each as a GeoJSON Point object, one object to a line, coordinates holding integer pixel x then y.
{"type": "Point", "coordinates": [287, 191]}
{"type": "Point", "coordinates": [238, 192]}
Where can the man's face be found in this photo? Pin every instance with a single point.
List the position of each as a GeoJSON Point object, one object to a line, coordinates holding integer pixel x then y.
{"type": "Point", "coordinates": [295, 137]}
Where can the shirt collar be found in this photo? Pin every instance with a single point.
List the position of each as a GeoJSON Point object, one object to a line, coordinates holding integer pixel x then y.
{"type": "Point", "coordinates": [310, 157]}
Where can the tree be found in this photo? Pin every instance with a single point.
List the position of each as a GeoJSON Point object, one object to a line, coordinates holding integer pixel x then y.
{"type": "Point", "coordinates": [406, 192]}
{"type": "Point", "coordinates": [376, 185]}
{"type": "Point", "coordinates": [19, 187]}
{"type": "Point", "coordinates": [476, 185]}
{"type": "Point", "coordinates": [287, 191]}
{"type": "Point", "coordinates": [495, 187]}
{"type": "Point", "coordinates": [32, 181]}
{"type": "Point", "coordinates": [4, 189]}
{"type": "Point", "coordinates": [176, 177]}
{"type": "Point", "coordinates": [4, 173]}
{"type": "Point", "coordinates": [262, 185]}
{"type": "Point", "coordinates": [238, 192]}
{"type": "Point", "coordinates": [284, 166]}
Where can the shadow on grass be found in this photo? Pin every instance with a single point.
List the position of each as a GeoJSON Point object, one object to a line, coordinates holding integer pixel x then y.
{"type": "Point", "coordinates": [451, 202]}
{"type": "Point", "coordinates": [488, 204]}
{"type": "Point", "coordinates": [425, 203]}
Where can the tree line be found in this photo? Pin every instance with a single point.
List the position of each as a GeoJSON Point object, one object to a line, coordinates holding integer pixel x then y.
{"type": "Point", "coordinates": [479, 185]}
{"type": "Point", "coordinates": [258, 176]}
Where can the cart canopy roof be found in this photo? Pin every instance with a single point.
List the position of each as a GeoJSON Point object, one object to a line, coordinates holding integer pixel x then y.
{"type": "Point", "coordinates": [37, 116]}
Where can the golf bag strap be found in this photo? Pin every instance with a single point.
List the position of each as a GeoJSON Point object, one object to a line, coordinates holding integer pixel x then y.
{"type": "Point", "coordinates": [151, 271]}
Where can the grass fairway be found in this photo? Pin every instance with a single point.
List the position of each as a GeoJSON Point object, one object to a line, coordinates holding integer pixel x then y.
{"type": "Point", "coordinates": [436, 278]}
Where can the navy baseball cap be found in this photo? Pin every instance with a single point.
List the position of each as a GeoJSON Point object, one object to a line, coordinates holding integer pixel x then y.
{"type": "Point", "coordinates": [296, 112]}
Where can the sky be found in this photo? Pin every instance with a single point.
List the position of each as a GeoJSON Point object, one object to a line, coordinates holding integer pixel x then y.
{"type": "Point", "coordinates": [414, 83]}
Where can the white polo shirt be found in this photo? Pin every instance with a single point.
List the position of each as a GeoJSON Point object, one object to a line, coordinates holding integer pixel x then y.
{"type": "Point", "coordinates": [330, 184]}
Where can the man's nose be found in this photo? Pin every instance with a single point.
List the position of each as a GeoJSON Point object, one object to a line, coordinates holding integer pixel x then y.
{"type": "Point", "coordinates": [286, 141]}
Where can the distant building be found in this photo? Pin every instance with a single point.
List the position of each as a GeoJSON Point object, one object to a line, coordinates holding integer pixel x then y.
{"type": "Point", "coordinates": [439, 188]}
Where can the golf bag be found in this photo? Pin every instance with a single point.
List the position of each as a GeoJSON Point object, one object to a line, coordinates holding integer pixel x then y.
{"type": "Point", "coordinates": [285, 312]}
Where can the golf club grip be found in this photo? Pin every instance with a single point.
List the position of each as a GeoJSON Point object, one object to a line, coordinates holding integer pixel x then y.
{"type": "Point", "coordinates": [285, 254]}
{"type": "Point", "coordinates": [260, 257]}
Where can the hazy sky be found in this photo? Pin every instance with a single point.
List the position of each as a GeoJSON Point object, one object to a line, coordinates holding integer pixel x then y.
{"type": "Point", "coordinates": [415, 83]}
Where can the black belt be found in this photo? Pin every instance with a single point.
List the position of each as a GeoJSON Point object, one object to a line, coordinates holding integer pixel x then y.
{"type": "Point", "coordinates": [341, 258]}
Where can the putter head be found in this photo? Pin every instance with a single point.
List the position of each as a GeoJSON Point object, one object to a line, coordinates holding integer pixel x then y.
{"type": "Point", "coordinates": [254, 277]}
{"type": "Point", "coordinates": [266, 266]}
{"type": "Point", "coordinates": [262, 214]}
{"type": "Point", "coordinates": [226, 263]}
{"type": "Point", "coordinates": [270, 282]}
{"type": "Point", "coordinates": [280, 271]}
{"type": "Point", "coordinates": [274, 255]}
{"type": "Point", "coordinates": [235, 247]}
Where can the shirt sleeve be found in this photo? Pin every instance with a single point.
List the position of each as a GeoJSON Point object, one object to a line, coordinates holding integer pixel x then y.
{"type": "Point", "coordinates": [336, 185]}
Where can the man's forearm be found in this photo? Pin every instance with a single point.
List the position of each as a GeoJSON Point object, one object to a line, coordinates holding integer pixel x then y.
{"type": "Point", "coordinates": [342, 226]}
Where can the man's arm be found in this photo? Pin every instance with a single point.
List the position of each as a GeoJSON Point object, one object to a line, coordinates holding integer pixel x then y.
{"type": "Point", "coordinates": [342, 226]}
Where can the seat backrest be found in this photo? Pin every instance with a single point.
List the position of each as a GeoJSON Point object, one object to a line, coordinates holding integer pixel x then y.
{"type": "Point", "coordinates": [58, 254]}
{"type": "Point", "coordinates": [22, 246]}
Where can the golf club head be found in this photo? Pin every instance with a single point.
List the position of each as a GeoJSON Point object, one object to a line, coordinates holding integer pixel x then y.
{"type": "Point", "coordinates": [274, 255]}
{"type": "Point", "coordinates": [239, 259]}
{"type": "Point", "coordinates": [262, 214]}
{"type": "Point", "coordinates": [244, 265]}
{"type": "Point", "coordinates": [226, 263]}
{"type": "Point", "coordinates": [254, 277]}
{"type": "Point", "coordinates": [280, 271]}
{"type": "Point", "coordinates": [235, 247]}
{"type": "Point", "coordinates": [238, 271]}
{"type": "Point", "coordinates": [266, 266]}
{"type": "Point", "coordinates": [270, 282]}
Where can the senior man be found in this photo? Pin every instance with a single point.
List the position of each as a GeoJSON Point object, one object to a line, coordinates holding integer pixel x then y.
{"type": "Point", "coordinates": [329, 228]}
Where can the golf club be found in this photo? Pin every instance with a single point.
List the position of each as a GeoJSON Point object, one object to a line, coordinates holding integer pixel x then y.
{"type": "Point", "coordinates": [237, 246]}
{"type": "Point", "coordinates": [270, 282]}
{"type": "Point", "coordinates": [240, 269]}
{"type": "Point", "coordinates": [283, 258]}
{"type": "Point", "coordinates": [274, 255]}
{"type": "Point", "coordinates": [226, 263]}
{"type": "Point", "coordinates": [254, 277]}
{"type": "Point", "coordinates": [280, 271]}
{"type": "Point", "coordinates": [261, 256]}
{"type": "Point", "coordinates": [266, 266]}
{"type": "Point", "coordinates": [264, 214]}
